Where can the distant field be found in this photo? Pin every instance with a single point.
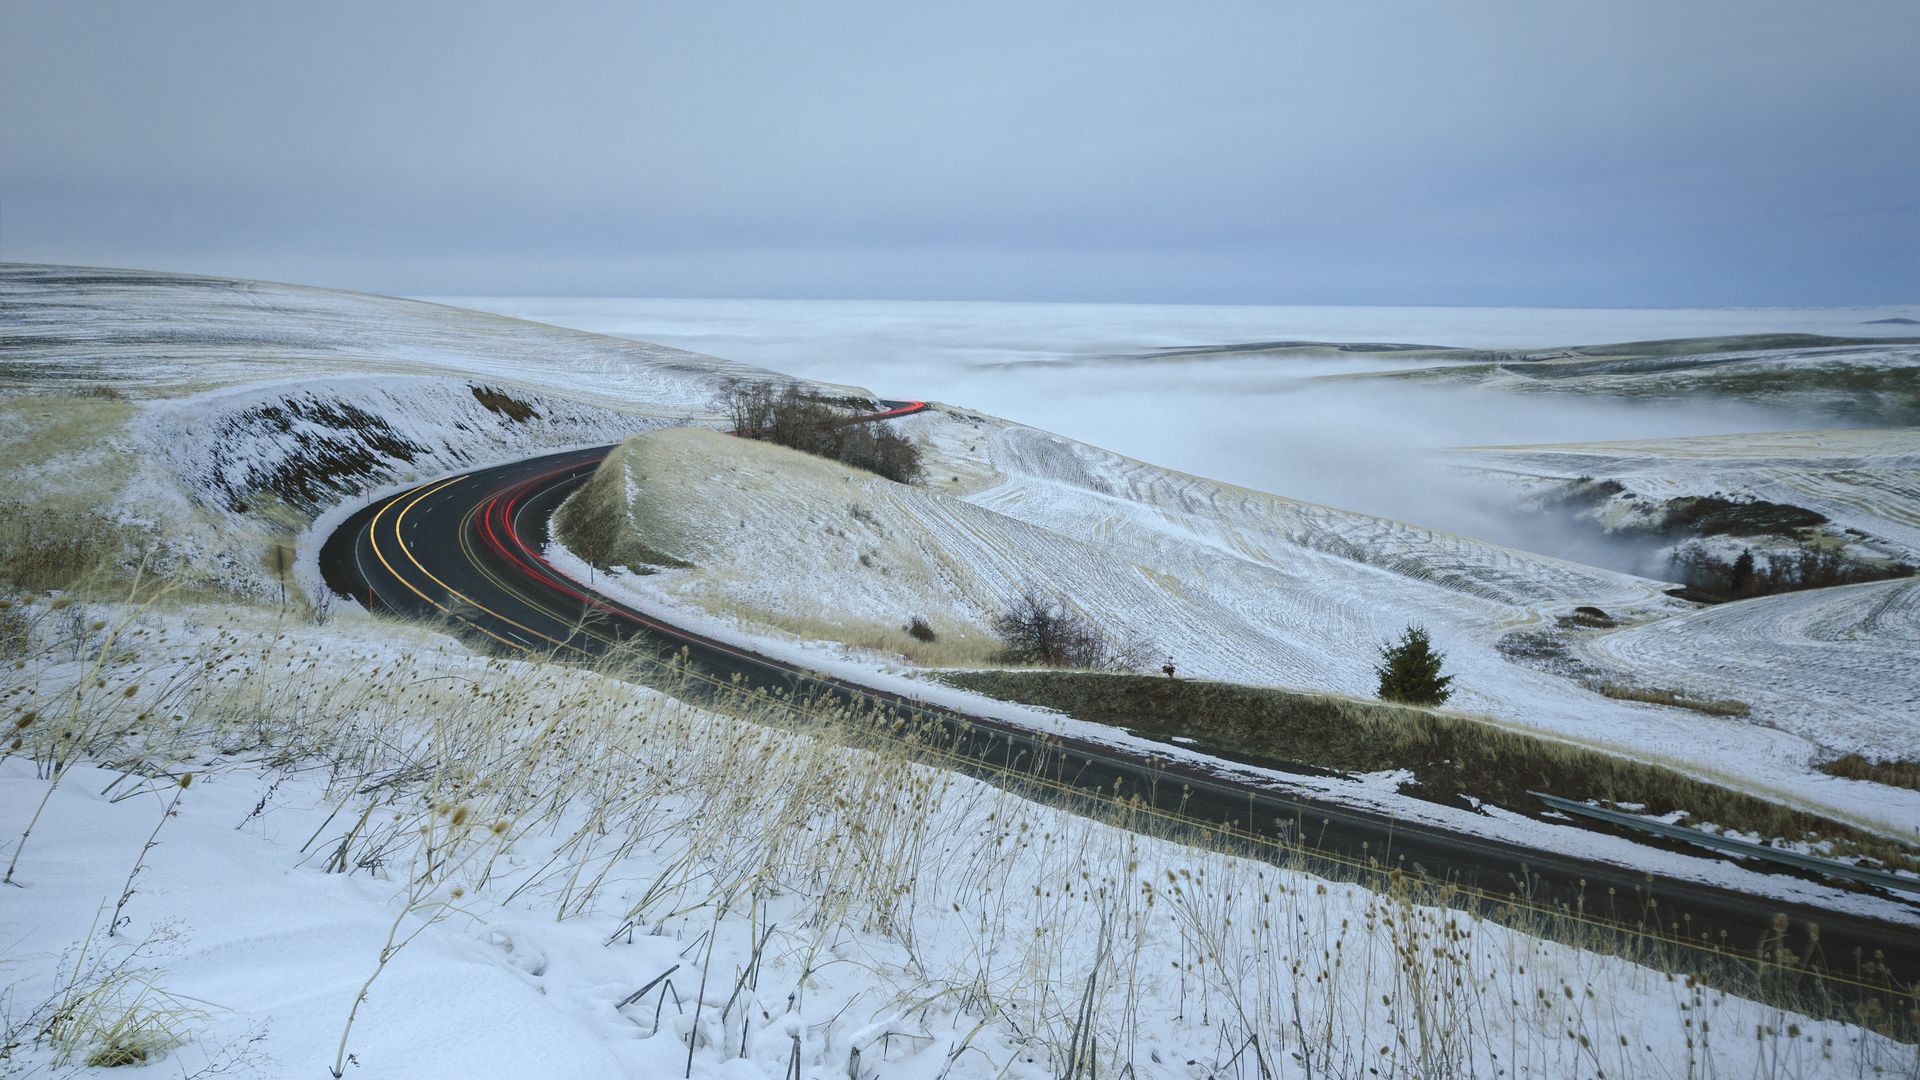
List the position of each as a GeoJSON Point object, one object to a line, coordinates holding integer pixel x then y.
{"type": "Point", "coordinates": [1872, 381]}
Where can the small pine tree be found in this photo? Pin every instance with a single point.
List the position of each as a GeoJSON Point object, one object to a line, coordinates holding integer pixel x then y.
{"type": "Point", "coordinates": [1410, 671]}
{"type": "Point", "coordinates": [1742, 574]}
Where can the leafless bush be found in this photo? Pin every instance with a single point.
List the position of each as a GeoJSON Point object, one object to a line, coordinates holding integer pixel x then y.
{"type": "Point", "coordinates": [920, 630]}
{"type": "Point", "coordinates": [1041, 629]}
{"type": "Point", "coordinates": [321, 606]}
{"type": "Point", "coordinates": [807, 421]}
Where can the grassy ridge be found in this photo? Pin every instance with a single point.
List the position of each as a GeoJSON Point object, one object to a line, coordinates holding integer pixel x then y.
{"type": "Point", "coordinates": [1450, 756]}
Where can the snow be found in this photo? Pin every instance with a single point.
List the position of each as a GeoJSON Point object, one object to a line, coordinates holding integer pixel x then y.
{"type": "Point", "coordinates": [209, 377]}
{"type": "Point", "coordinates": [1377, 792]}
{"type": "Point", "coordinates": [952, 939]}
{"type": "Point", "coordinates": [960, 950]}
{"type": "Point", "coordinates": [1866, 479]}
{"type": "Point", "coordinates": [1835, 665]}
{"type": "Point", "coordinates": [1272, 421]}
{"type": "Point", "coordinates": [813, 338]}
{"type": "Point", "coordinates": [1234, 584]}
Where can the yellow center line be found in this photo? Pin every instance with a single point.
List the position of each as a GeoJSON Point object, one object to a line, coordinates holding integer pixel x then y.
{"type": "Point", "coordinates": [531, 599]}
{"type": "Point", "coordinates": [412, 499]}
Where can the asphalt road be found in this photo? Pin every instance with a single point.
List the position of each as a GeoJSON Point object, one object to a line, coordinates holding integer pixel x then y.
{"type": "Point", "coordinates": [467, 549]}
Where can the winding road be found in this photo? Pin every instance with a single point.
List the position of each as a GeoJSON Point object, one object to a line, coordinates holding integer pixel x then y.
{"type": "Point", "coordinates": [468, 549]}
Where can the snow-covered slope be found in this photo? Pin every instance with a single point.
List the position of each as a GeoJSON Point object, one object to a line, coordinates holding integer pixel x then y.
{"type": "Point", "coordinates": [214, 418]}
{"type": "Point", "coordinates": [1231, 583]}
{"type": "Point", "coordinates": [1837, 666]}
{"type": "Point", "coordinates": [1866, 479]}
{"type": "Point", "coordinates": [234, 412]}
{"type": "Point", "coordinates": [175, 333]}
{"type": "Point", "coordinates": [381, 869]}
{"type": "Point", "coordinates": [1860, 381]}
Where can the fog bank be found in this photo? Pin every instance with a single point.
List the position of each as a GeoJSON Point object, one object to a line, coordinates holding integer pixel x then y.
{"type": "Point", "coordinates": [1264, 421]}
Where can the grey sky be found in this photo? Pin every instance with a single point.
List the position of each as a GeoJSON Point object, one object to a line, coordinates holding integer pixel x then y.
{"type": "Point", "coordinates": [1712, 152]}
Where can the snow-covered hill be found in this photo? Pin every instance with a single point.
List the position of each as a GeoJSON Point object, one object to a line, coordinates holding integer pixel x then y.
{"type": "Point", "coordinates": [1863, 479]}
{"type": "Point", "coordinates": [1231, 583]}
{"type": "Point", "coordinates": [1857, 380]}
{"type": "Point", "coordinates": [235, 412]}
{"type": "Point", "coordinates": [542, 842]}
{"type": "Point", "coordinates": [1835, 666]}
{"type": "Point", "coordinates": [213, 418]}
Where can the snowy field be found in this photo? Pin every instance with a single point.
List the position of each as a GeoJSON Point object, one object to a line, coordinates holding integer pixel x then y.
{"type": "Point", "coordinates": [935, 926]}
{"type": "Point", "coordinates": [1233, 584]}
{"type": "Point", "coordinates": [1866, 479]}
{"type": "Point", "coordinates": [361, 849]}
{"type": "Point", "coordinates": [219, 416]}
{"type": "Point", "coordinates": [223, 391]}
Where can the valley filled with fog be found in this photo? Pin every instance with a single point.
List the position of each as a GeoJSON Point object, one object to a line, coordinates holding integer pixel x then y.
{"type": "Point", "coordinates": [1134, 379]}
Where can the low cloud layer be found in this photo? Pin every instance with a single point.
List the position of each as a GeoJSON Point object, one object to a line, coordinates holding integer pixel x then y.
{"type": "Point", "coordinates": [1639, 153]}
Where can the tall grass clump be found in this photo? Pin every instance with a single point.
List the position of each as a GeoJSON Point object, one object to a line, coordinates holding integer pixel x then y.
{"type": "Point", "coordinates": [43, 549]}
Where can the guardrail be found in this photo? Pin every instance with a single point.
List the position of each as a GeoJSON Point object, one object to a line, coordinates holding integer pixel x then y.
{"type": "Point", "coordinates": [1738, 847]}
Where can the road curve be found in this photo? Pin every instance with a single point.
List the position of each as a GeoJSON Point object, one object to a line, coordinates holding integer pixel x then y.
{"type": "Point", "coordinates": [468, 549]}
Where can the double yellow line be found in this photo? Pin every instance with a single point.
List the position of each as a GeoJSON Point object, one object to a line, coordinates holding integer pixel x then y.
{"type": "Point", "coordinates": [406, 503]}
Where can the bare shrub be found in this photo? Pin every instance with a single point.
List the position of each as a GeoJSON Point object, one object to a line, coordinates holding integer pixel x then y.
{"type": "Point", "coordinates": [1041, 629]}
{"type": "Point", "coordinates": [920, 630]}
{"type": "Point", "coordinates": [806, 420]}
{"type": "Point", "coordinates": [321, 605]}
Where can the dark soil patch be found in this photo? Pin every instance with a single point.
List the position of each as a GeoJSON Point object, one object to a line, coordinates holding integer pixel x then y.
{"type": "Point", "coordinates": [1588, 617]}
{"type": "Point", "coordinates": [502, 404]}
{"type": "Point", "coordinates": [333, 448]}
{"type": "Point", "coordinates": [1718, 515]}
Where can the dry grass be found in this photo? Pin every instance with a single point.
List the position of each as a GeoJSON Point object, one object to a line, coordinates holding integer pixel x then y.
{"type": "Point", "coordinates": [40, 428]}
{"type": "Point", "coordinates": [607, 528]}
{"type": "Point", "coordinates": [1677, 699]}
{"type": "Point", "coordinates": [1449, 754]}
{"type": "Point", "coordinates": [625, 515]}
{"type": "Point", "coordinates": [42, 548]}
{"type": "Point", "coordinates": [998, 929]}
{"type": "Point", "coordinates": [1894, 772]}
{"type": "Point", "coordinates": [955, 647]}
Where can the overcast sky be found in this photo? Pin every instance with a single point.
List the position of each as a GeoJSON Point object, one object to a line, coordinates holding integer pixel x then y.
{"type": "Point", "coordinates": [1535, 152]}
